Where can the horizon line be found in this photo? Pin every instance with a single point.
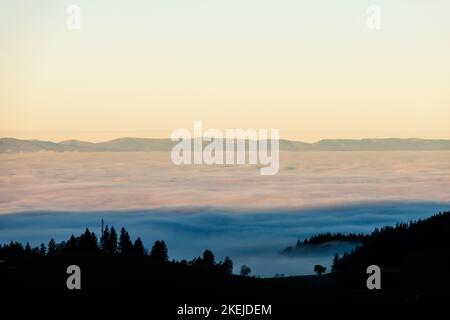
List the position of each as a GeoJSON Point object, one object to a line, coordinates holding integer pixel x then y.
{"type": "Point", "coordinates": [169, 139]}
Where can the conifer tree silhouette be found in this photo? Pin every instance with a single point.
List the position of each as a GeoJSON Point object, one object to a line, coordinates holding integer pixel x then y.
{"type": "Point", "coordinates": [159, 252]}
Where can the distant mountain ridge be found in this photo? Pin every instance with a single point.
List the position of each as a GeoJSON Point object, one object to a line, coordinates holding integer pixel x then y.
{"type": "Point", "coordinates": [12, 145]}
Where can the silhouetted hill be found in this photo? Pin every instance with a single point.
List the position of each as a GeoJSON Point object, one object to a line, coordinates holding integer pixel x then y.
{"type": "Point", "coordinates": [113, 266]}
{"type": "Point", "coordinates": [325, 240]}
{"type": "Point", "coordinates": [405, 247]}
{"type": "Point", "coordinates": [78, 144]}
{"type": "Point", "coordinates": [416, 255]}
{"type": "Point", "coordinates": [381, 144]}
{"type": "Point", "coordinates": [12, 145]}
{"type": "Point", "coordinates": [136, 144]}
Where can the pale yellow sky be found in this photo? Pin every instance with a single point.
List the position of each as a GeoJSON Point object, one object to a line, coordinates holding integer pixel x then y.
{"type": "Point", "coordinates": [144, 68]}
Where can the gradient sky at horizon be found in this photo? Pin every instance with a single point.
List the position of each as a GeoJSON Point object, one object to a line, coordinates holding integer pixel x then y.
{"type": "Point", "coordinates": [145, 68]}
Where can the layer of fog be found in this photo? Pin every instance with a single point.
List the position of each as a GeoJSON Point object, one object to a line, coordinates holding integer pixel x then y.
{"type": "Point", "coordinates": [148, 180]}
{"type": "Point", "coordinates": [232, 210]}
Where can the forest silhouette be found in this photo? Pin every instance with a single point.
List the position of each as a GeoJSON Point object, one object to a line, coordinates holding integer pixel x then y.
{"type": "Point", "coordinates": [414, 258]}
{"type": "Point", "coordinates": [111, 244]}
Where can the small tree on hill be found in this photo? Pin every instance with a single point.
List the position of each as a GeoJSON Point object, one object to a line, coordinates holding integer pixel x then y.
{"type": "Point", "coordinates": [245, 270]}
{"type": "Point", "coordinates": [208, 259]}
{"type": "Point", "coordinates": [319, 269]}
{"type": "Point", "coordinates": [227, 266]}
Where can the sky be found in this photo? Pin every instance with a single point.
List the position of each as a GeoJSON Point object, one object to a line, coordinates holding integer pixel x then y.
{"type": "Point", "coordinates": [145, 68]}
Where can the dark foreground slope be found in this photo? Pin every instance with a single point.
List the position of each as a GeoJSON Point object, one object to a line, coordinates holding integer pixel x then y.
{"type": "Point", "coordinates": [414, 258]}
{"type": "Point", "coordinates": [139, 278]}
{"type": "Point", "coordinates": [116, 277]}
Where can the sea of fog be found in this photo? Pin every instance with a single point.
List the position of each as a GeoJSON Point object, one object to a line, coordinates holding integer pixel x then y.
{"type": "Point", "coordinates": [317, 191]}
{"type": "Point", "coordinates": [254, 238]}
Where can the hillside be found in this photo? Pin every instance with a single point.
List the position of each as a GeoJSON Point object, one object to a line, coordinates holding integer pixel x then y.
{"type": "Point", "coordinates": [415, 256]}
{"type": "Point", "coordinates": [325, 241]}
{"type": "Point", "coordinates": [404, 247]}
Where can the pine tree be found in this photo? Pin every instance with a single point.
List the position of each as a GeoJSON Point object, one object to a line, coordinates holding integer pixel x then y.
{"type": "Point", "coordinates": [159, 252]}
{"type": "Point", "coordinates": [335, 263]}
{"type": "Point", "coordinates": [94, 242]}
{"type": "Point", "coordinates": [208, 259]}
{"type": "Point", "coordinates": [28, 250]}
{"type": "Point", "coordinates": [88, 242]}
{"type": "Point", "coordinates": [227, 266]}
{"type": "Point", "coordinates": [125, 244]}
{"type": "Point", "coordinates": [72, 245]}
{"type": "Point", "coordinates": [113, 241]}
{"type": "Point", "coordinates": [51, 248]}
{"type": "Point", "coordinates": [42, 250]}
{"type": "Point", "coordinates": [104, 240]}
{"type": "Point", "coordinates": [138, 247]}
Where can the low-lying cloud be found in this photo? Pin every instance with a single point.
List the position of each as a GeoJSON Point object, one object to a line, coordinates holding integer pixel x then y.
{"type": "Point", "coordinates": [73, 181]}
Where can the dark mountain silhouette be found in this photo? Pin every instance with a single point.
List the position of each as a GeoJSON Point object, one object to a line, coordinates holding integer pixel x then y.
{"type": "Point", "coordinates": [414, 258]}
{"type": "Point", "coordinates": [407, 247]}
{"type": "Point", "coordinates": [12, 145]}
